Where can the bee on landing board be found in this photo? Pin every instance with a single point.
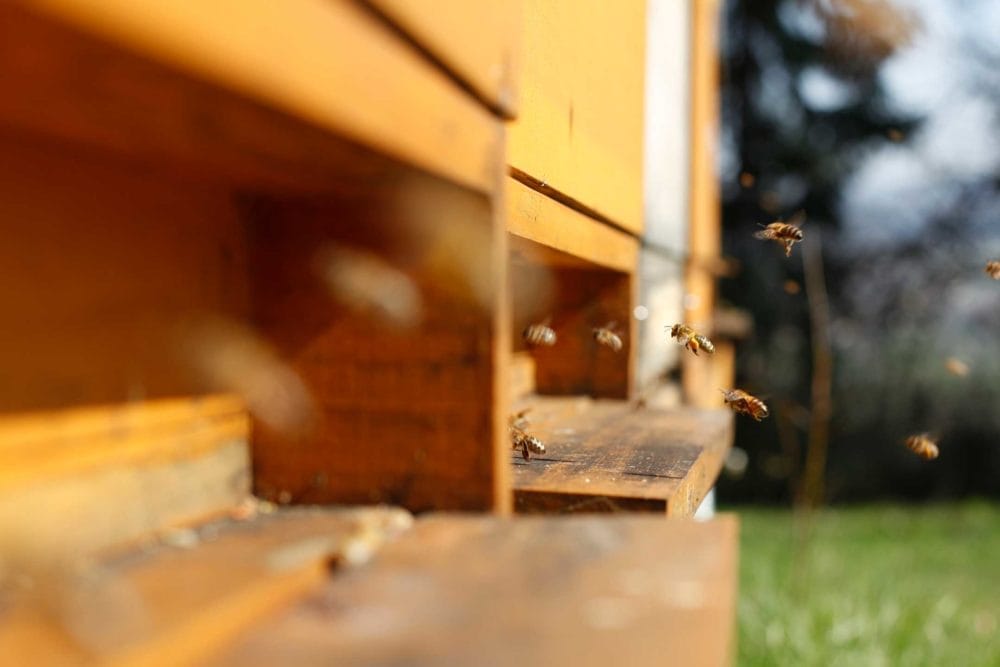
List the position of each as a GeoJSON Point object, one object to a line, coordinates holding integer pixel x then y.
{"type": "Point", "coordinates": [519, 439]}
{"type": "Point", "coordinates": [607, 336]}
{"type": "Point", "coordinates": [923, 445]}
{"type": "Point", "coordinates": [691, 339]}
{"type": "Point", "coordinates": [744, 403]}
{"type": "Point", "coordinates": [540, 334]}
{"type": "Point", "coordinates": [993, 269]}
{"type": "Point", "coordinates": [786, 233]}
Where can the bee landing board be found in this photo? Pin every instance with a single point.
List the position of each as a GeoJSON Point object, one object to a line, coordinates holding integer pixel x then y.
{"type": "Point", "coordinates": [608, 456]}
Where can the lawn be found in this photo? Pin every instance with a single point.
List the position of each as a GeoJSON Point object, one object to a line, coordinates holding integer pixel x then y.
{"type": "Point", "coordinates": [879, 585]}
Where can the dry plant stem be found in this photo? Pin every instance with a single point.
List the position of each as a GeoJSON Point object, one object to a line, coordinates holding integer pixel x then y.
{"type": "Point", "coordinates": [791, 447]}
{"type": "Point", "coordinates": [811, 493]}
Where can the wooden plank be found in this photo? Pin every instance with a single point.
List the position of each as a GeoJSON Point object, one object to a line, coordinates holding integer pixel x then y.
{"type": "Point", "coordinates": [705, 231]}
{"type": "Point", "coordinates": [583, 300]}
{"type": "Point", "coordinates": [613, 456]}
{"type": "Point", "coordinates": [217, 87]}
{"type": "Point", "coordinates": [580, 125]}
{"type": "Point", "coordinates": [583, 591]}
{"type": "Point", "coordinates": [538, 218]}
{"type": "Point", "coordinates": [73, 481]}
{"type": "Point", "coordinates": [522, 375]}
{"type": "Point", "coordinates": [409, 417]}
{"type": "Point", "coordinates": [477, 41]}
{"type": "Point", "coordinates": [101, 261]}
{"type": "Point", "coordinates": [165, 605]}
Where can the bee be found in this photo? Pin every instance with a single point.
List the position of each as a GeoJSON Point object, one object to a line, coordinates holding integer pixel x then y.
{"type": "Point", "coordinates": [956, 367]}
{"type": "Point", "coordinates": [519, 420]}
{"type": "Point", "coordinates": [528, 444]}
{"type": "Point", "coordinates": [366, 283]}
{"type": "Point", "coordinates": [743, 403]}
{"type": "Point", "coordinates": [606, 336]}
{"type": "Point", "coordinates": [785, 233]}
{"type": "Point", "coordinates": [691, 339]}
{"type": "Point", "coordinates": [993, 269]}
{"type": "Point", "coordinates": [539, 334]}
{"type": "Point", "coordinates": [923, 445]}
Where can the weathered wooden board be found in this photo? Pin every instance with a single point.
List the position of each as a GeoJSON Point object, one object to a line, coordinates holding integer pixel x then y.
{"type": "Point", "coordinates": [583, 591]}
{"type": "Point", "coordinates": [253, 91]}
{"type": "Point", "coordinates": [606, 456]}
{"type": "Point", "coordinates": [77, 480]}
{"type": "Point", "coordinates": [478, 42]}
{"type": "Point", "coordinates": [536, 217]}
{"type": "Point", "coordinates": [171, 606]}
{"type": "Point", "coordinates": [580, 123]}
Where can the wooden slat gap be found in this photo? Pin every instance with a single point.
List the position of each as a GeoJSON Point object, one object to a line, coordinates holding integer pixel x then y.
{"type": "Point", "coordinates": [544, 188]}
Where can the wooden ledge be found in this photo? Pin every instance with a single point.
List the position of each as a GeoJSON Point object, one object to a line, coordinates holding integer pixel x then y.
{"type": "Point", "coordinates": [82, 479]}
{"type": "Point", "coordinates": [583, 591]}
{"type": "Point", "coordinates": [175, 605]}
{"type": "Point", "coordinates": [274, 94]}
{"type": "Point", "coordinates": [606, 456]}
{"type": "Point", "coordinates": [565, 237]}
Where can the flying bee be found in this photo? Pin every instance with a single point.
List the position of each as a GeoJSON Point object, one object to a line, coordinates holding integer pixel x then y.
{"type": "Point", "coordinates": [691, 339]}
{"type": "Point", "coordinates": [923, 445]}
{"type": "Point", "coordinates": [539, 334]}
{"type": "Point", "coordinates": [606, 336]}
{"type": "Point", "coordinates": [956, 367]}
{"type": "Point", "coordinates": [786, 233]}
{"type": "Point", "coordinates": [519, 420]}
{"type": "Point", "coordinates": [743, 403]}
{"type": "Point", "coordinates": [993, 269]}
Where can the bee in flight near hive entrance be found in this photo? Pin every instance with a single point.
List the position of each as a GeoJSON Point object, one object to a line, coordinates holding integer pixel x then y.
{"type": "Point", "coordinates": [691, 339]}
{"type": "Point", "coordinates": [540, 334]}
{"type": "Point", "coordinates": [923, 445]}
{"type": "Point", "coordinates": [606, 336]}
{"type": "Point", "coordinates": [786, 233]}
{"type": "Point", "coordinates": [993, 269]}
{"type": "Point", "coordinates": [744, 403]}
{"type": "Point", "coordinates": [528, 444]}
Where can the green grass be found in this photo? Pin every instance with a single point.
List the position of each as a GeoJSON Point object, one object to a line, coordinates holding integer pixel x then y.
{"type": "Point", "coordinates": [871, 586]}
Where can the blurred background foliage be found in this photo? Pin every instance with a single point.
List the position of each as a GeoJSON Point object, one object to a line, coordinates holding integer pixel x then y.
{"type": "Point", "coordinates": [881, 121]}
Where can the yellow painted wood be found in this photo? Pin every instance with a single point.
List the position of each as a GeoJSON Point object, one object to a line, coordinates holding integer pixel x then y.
{"type": "Point", "coordinates": [705, 233]}
{"type": "Point", "coordinates": [328, 62]}
{"type": "Point", "coordinates": [580, 125]}
{"type": "Point", "coordinates": [478, 41]}
{"type": "Point", "coordinates": [77, 480]}
{"type": "Point", "coordinates": [535, 217]}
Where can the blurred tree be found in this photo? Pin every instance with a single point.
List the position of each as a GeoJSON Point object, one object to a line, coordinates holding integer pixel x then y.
{"type": "Point", "coordinates": [825, 109]}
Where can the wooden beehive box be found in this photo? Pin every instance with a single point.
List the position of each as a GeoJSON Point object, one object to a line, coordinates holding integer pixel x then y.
{"type": "Point", "coordinates": [174, 179]}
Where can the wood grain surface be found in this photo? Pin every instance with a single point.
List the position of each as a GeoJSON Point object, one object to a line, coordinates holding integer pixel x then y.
{"type": "Point", "coordinates": [583, 591]}
{"type": "Point", "coordinates": [608, 456]}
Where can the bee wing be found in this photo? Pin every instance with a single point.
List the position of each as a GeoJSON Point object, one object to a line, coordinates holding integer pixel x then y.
{"type": "Point", "coordinates": [798, 218]}
{"type": "Point", "coordinates": [764, 234]}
